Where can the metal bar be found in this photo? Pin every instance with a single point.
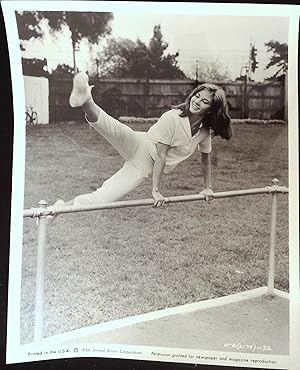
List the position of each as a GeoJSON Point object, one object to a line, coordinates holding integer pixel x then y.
{"type": "Point", "coordinates": [33, 212]}
{"type": "Point", "coordinates": [40, 275]}
{"type": "Point", "coordinates": [43, 211]}
{"type": "Point", "coordinates": [271, 274]}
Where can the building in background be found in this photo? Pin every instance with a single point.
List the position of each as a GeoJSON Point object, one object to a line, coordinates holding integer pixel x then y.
{"type": "Point", "coordinates": [36, 85]}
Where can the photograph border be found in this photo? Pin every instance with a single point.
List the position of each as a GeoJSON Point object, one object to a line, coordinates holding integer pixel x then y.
{"type": "Point", "coordinates": [18, 170]}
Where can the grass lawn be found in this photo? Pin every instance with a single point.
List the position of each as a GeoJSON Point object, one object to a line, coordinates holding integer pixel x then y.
{"type": "Point", "coordinates": [105, 265]}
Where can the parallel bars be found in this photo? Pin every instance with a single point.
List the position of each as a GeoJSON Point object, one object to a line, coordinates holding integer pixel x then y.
{"type": "Point", "coordinates": [43, 211]}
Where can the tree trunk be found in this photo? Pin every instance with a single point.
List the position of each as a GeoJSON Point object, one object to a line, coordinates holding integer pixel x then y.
{"type": "Point", "coordinates": [74, 57]}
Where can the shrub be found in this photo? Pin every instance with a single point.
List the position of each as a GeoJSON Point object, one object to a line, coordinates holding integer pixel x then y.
{"type": "Point", "coordinates": [249, 121]}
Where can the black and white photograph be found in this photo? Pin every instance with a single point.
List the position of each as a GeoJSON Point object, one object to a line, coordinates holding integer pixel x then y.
{"type": "Point", "coordinates": [155, 179]}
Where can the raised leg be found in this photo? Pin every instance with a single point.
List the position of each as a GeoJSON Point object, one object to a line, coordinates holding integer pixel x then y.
{"type": "Point", "coordinates": [122, 137]}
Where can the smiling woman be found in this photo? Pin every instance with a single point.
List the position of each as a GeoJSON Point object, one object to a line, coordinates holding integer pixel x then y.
{"type": "Point", "coordinates": [172, 139]}
{"type": "Point", "coordinates": [207, 104]}
{"type": "Point", "coordinates": [200, 103]}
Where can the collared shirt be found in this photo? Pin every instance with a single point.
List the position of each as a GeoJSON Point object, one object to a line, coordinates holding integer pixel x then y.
{"type": "Point", "coordinates": [175, 131]}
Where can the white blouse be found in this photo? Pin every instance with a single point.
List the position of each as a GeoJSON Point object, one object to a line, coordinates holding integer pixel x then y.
{"type": "Point", "coordinates": [175, 131]}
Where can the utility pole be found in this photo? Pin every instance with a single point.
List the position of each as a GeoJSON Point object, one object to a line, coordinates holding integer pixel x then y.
{"type": "Point", "coordinates": [75, 47]}
{"type": "Point", "coordinates": [197, 69]}
{"type": "Point", "coordinates": [245, 101]}
{"type": "Point", "coordinates": [244, 74]}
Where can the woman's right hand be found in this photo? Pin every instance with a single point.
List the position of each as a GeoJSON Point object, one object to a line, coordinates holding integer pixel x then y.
{"type": "Point", "coordinates": [159, 199]}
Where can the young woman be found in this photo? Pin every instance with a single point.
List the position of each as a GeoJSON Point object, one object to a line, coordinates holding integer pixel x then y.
{"type": "Point", "coordinates": [172, 139]}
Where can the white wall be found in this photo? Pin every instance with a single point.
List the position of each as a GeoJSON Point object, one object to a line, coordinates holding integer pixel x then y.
{"type": "Point", "coordinates": [37, 96]}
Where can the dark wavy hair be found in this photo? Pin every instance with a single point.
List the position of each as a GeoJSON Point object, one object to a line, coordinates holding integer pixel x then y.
{"type": "Point", "coordinates": [218, 118]}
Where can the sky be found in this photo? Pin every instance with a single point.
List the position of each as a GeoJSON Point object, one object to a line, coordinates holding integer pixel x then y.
{"type": "Point", "coordinates": [200, 38]}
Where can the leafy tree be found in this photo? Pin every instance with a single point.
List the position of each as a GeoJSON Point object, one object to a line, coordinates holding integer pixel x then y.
{"type": "Point", "coordinates": [162, 66]}
{"type": "Point", "coordinates": [82, 25]}
{"type": "Point", "coordinates": [62, 70]}
{"type": "Point", "coordinates": [278, 59]}
{"type": "Point", "coordinates": [156, 51]}
{"type": "Point", "coordinates": [117, 58]}
{"type": "Point", "coordinates": [126, 58]}
{"type": "Point", "coordinates": [28, 26]}
{"type": "Point", "coordinates": [213, 71]}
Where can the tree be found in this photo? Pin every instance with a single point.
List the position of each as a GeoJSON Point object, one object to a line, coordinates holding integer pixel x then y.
{"type": "Point", "coordinates": [62, 70]}
{"type": "Point", "coordinates": [278, 59]}
{"type": "Point", "coordinates": [162, 66]}
{"type": "Point", "coordinates": [253, 61]}
{"type": "Point", "coordinates": [120, 57]}
{"type": "Point", "coordinates": [213, 71]}
{"type": "Point", "coordinates": [82, 25]}
{"type": "Point", "coordinates": [28, 26]}
{"type": "Point", "coordinates": [126, 58]}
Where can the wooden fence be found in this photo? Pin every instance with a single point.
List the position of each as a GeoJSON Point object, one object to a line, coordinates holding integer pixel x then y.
{"type": "Point", "coordinates": [150, 98]}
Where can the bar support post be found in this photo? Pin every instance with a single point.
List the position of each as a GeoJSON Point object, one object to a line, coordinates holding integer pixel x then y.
{"type": "Point", "coordinates": [40, 274]}
{"type": "Point", "coordinates": [271, 276]}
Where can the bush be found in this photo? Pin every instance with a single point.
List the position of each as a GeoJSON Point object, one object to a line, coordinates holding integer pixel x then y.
{"type": "Point", "coordinates": [249, 121]}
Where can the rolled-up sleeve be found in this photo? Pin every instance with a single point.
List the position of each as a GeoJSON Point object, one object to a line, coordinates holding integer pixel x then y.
{"type": "Point", "coordinates": [163, 130]}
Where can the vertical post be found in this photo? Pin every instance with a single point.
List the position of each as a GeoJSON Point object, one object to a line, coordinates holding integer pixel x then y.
{"type": "Point", "coordinates": [271, 275]}
{"type": "Point", "coordinates": [147, 83]}
{"type": "Point", "coordinates": [40, 271]}
{"type": "Point", "coordinates": [197, 70]}
{"type": "Point", "coordinates": [245, 96]}
{"type": "Point", "coordinates": [74, 56]}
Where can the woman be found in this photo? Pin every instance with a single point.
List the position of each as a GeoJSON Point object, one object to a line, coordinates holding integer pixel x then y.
{"type": "Point", "coordinates": [172, 139]}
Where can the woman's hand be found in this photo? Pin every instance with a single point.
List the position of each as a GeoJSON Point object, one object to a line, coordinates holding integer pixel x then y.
{"type": "Point", "coordinates": [159, 199]}
{"type": "Point", "coordinates": [208, 193]}
{"type": "Point", "coordinates": [159, 164]}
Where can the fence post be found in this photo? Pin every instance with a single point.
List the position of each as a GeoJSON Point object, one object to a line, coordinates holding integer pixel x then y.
{"type": "Point", "coordinates": [40, 272]}
{"type": "Point", "coordinates": [245, 99]}
{"type": "Point", "coordinates": [271, 276]}
{"type": "Point", "coordinates": [147, 86]}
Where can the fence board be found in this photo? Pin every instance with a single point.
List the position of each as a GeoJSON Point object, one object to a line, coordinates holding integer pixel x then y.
{"type": "Point", "coordinates": [150, 98]}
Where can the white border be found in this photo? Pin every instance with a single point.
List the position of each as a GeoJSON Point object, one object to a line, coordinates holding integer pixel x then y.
{"type": "Point", "coordinates": [18, 178]}
{"type": "Point", "coordinates": [293, 118]}
{"type": "Point", "coordinates": [292, 11]}
{"type": "Point", "coordinates": [153, 7]}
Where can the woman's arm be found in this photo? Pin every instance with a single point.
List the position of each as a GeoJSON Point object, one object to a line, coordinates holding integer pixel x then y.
{"type": "Point", "coordinates": [158, 168]}
{"type": "Point", "coordinates": [206, 166]}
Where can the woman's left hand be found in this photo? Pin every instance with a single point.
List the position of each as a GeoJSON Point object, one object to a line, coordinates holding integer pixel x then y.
{"type": "Point", "coordinates": [208, 193]}
{"type": "Point", "coordinates": [159, 199]}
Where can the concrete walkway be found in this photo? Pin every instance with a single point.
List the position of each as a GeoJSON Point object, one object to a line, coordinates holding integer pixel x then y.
{"type": "Point", "coordinates": [258, 325]}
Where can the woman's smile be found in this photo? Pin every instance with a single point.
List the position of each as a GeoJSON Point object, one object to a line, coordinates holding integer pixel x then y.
{"type": "Point", "coordinates": [196, 106]}
{"type": "Point", "coordinates": [201, 102]}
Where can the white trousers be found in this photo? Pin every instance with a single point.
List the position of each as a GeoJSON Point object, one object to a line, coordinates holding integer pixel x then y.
{"type": "Point", "coordinates": [133, 147]}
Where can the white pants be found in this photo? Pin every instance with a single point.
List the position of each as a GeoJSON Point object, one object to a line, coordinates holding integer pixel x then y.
{"type": "Point", "coordinates": [133, 147]}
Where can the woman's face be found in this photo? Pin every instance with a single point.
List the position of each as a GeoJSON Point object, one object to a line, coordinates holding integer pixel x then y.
{"type": "Point", "coordinates": [201, 103]}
